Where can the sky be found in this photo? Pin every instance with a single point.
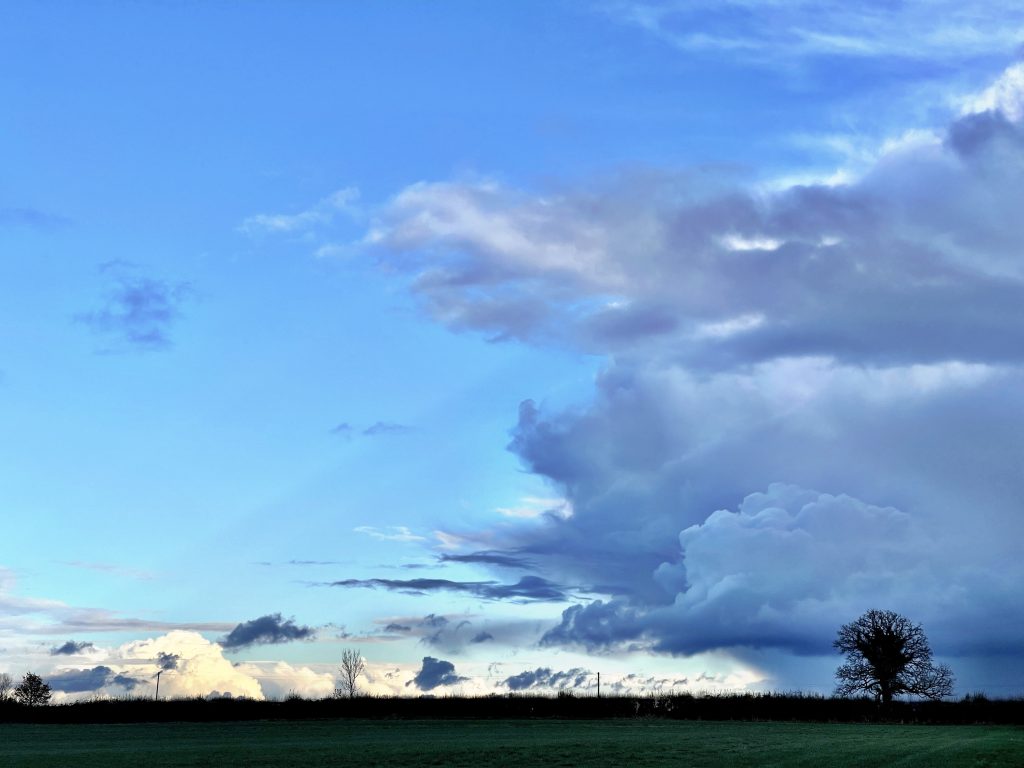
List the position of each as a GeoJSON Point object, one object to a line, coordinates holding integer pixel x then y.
{"type": "Point", "coordinates": [508, 343]}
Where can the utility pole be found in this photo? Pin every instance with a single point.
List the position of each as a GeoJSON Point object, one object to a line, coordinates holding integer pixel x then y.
{"type": "Point", "coordinates": [598, 685]}
{"type": "Point", "coordinates": [157, 697]}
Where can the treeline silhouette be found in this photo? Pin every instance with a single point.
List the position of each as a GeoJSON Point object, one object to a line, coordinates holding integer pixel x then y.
{"type": "Point", "coordinates": [745, 706]}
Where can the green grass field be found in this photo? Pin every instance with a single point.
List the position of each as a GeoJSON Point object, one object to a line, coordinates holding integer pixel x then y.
{"type": "Point", "coordinates": [508, 742]}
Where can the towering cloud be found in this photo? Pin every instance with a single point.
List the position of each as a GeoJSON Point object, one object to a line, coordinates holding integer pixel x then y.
{"type": "Point", "coordinates": [810, 404]}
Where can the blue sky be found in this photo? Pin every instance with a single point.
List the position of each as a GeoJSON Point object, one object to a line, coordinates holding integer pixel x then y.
{"type": "Point", "coordinates": [654, 339]}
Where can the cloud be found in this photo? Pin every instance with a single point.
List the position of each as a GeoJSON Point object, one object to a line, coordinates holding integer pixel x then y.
{"type": "Point", "coordinates": [787, 568]}
{"type": "Point", "coordinates": [1004, 96]}
{"type": "Point", "coordinates": [139, 312]}
{"type": "Point", "coordinates": [450, 634]}
{"type": "Point", "coordinates": [279, 679]}
{"type": "Point", "coordinates": [435, 673]}
{"type": "Point", "coordinates": [772, 33]}
{"type": "Point", "coordinates": [532, 507]}
{"type": "Point", "coordinates": [323, 213]}
{"type": "Point", "coordinates": [386, 428]}
{"type": "Point", "coordinates": [481, 637]}
{"type": "Point", "coordinates": [70, 648]}
{"type": "Point", "coordinates": [914, 262]}
{"type": "Point", "coordinates": [190, 665]}
{"type": "Point", "coordinates": [200, 666]}
{"type": "Point", "coordinates": [90, 680]}
{"type": "Point", "coordinates": [501, 559]}
{"type": "Point", "coordinates": [390, 533]}
{"type": "Point", "coordinates": [21, 615]}
{"type": "Point", "coordinates": [527, 589]}
{"type": "Point", "coordinates": [167, 661]}
{"type": "Point", "coordinates": [809, 404]}
{"type": "Point", "coordinates": [543, 677]}
{"type": "Point", "coordinates": [344, 429]}
{"type": "Point", "coordinates": [266, 630]}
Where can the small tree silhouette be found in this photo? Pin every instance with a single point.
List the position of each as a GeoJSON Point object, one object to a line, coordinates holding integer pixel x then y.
{"type": "Point", "coordinates": [6, 686]}
{"type": "Point", "coordinates": [887, 655]}
{"type": "Point", "coordinates": [352, 666]}
{"type": "Point", "coordinates": [32, 691]}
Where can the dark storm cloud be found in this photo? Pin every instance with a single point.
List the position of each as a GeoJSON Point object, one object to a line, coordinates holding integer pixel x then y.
{"type": "Point", "coordinates": [527, 589]}
{"type": "Point", "coordinates": [83, 680]}
{"type": "Point", "coordinates": [167, 661]}
{"type": "Point", "coordinates": [543, 677]}
{"type": "Point", "coordinates": [70, 648]}
{"type": "Point", "coordinates": [435, 673]}
{"type": "Point", "coordinates": [735, 583]}
{"type": "Point", "coordinates": [266, 630]}
{"type": "Point", "coordinates": [139, 312]}
{"type": "Point", "coordinates": [504, 559]}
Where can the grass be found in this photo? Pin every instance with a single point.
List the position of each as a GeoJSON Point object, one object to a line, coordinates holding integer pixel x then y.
{"type": "Point", "coordinates": [478, 743]}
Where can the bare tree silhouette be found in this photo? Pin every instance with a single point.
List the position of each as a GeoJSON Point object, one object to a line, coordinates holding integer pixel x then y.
{"type": "Point", "coordinates": [887, 655]}
{"type": "Point", "coordinates": [6, 686]}
{"type": "Point", "coordinates": [352, 666]}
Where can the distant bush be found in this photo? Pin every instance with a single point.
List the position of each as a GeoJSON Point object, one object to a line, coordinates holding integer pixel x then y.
{"type": "Point", "coordinates": [974, 708]}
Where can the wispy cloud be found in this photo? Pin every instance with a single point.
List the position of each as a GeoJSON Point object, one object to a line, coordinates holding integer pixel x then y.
{"type": "Point", "coordinates": [488, 557]}
{"type": "Point", "coordinates": [531, 506]}
{"type": "Point", "coordinates": [324, 212]}
{"type": "Point", "coordinates": [347, 430]}
{"type": "Point", "coordinates": [303, 562]}
{"type": "Point", "coordinates": [390, 533]}
{"type": "Point", "coordinates": [386, 428]}
{"type": "Point", "coordinates": [527, 589]}
{"type": "Point", "coordinates": [138, 312]}
{"type": "Point", "coordinates": [769, 32]}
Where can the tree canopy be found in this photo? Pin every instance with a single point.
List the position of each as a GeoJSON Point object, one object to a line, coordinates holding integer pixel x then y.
{"type": "Point", "coordinates": [32, 691]}
{"type": "Point", "coordinates": [887, 655]}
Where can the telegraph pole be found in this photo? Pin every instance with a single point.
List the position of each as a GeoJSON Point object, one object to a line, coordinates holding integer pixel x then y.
{"type": "Point", "coordinates": [598, 685]}
{"type": "Point", "coordinates": [157, 697]}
